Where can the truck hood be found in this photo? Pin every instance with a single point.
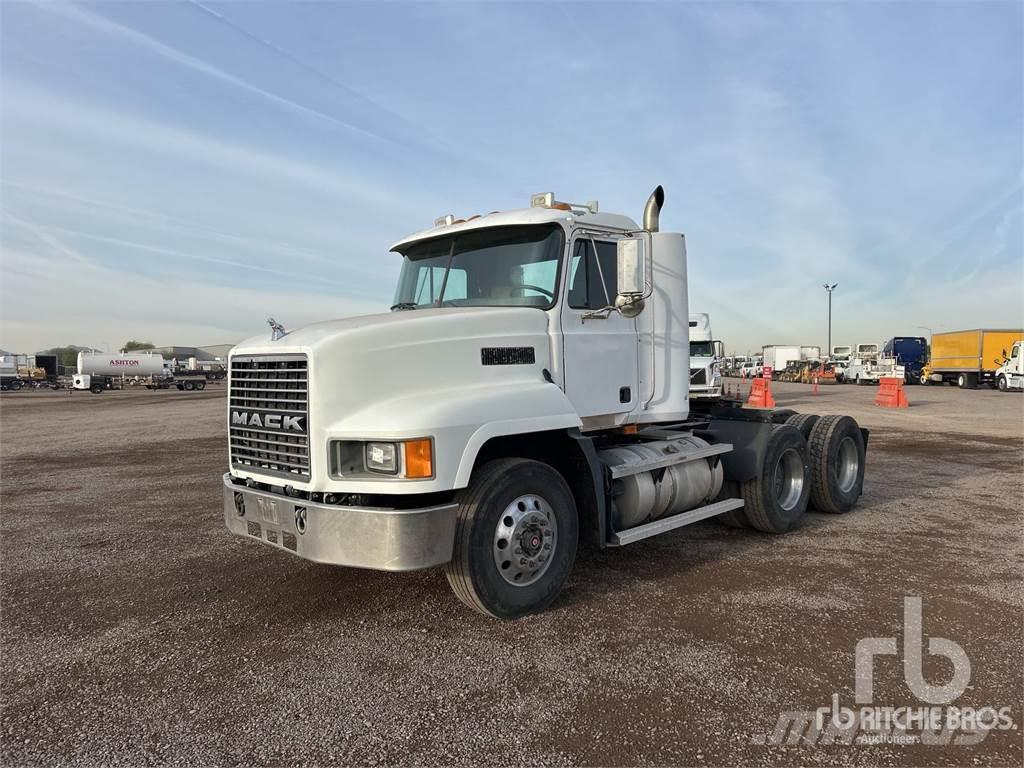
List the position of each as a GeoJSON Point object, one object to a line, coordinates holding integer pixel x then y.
{"type": "Point", "coordinates": [405, 328]}
{"type": "Point", "coordinates": [362, 368]}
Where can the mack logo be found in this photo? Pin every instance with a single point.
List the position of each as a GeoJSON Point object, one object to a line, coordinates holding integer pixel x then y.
{"type": "Point", "coordinates": [280, 421]}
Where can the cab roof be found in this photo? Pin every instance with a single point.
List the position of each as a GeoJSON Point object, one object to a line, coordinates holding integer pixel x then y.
{"type": "Point", "coordinates": [537, 215]}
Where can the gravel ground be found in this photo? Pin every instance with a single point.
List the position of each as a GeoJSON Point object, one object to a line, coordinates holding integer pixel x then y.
{"type": "Point", "coordinates": [136, 630]}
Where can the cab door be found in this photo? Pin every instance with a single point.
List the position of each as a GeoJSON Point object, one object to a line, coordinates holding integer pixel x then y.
{"type": "Point", "coordinates": [599, 348]}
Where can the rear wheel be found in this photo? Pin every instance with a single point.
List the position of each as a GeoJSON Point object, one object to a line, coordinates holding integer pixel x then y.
{"type": "Point", "coordinates": [775, 500]}
{"type": "Point", "coordinates": [734, 518]}
{"type": "Point", "coordinates": [96, 389]}
{"type": "Point", "coordinates": [515, 538]}
{"type": "Point", "coordinates": [200, 385]}
{"type": "Point", "coordinates": [14, 386]}
{"type": "Point", "coordinates": [189, 386]}
{"type": "Point", "coordinates": [836, 448]}
{"type": "Point", "coordinates": [804, 422]}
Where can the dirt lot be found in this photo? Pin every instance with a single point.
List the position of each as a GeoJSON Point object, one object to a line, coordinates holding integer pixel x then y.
{"type": "Point", "coordinates": [136, 630]}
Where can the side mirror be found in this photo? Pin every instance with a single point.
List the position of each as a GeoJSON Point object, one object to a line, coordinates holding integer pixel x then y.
{"type": "Point", "coordinates": [631, 263]}
{"type": "Point", "coordinates": [631, 273]}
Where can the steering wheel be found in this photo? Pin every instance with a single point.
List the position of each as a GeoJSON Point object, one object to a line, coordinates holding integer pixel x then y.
{"type": "Point", "coordinates": [537, 288]}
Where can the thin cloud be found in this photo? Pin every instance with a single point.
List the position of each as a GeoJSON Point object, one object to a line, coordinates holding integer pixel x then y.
{"type": "Point", "coordinates": [417, 129]}
{"type": "Point", "coordinates": [163, 139]}
{"type": "Point", "coordinates": [112, 28]}
{"type": "Point", "coordinates": [48, 239]}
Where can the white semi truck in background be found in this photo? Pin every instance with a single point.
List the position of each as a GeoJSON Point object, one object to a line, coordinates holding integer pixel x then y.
{"type": "Point", "coordinates": [530, 388]}
{"type": "Point", "coordinates": [1010, 374]}
{"type": "Point", "coordinates": [706, 356]}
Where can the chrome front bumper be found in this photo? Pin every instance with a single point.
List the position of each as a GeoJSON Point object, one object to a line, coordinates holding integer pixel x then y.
{"type": "Point", "coordinates": [362, 537]}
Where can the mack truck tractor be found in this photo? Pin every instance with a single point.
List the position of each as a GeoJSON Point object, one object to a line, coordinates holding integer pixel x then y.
{"type": "Point", "coordinates": [529, 390]}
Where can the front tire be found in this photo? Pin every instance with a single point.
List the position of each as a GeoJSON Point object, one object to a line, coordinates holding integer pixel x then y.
{"type": "Point", "coordinates": [1001, 383]}
{"type": "Point", "coordinates": [516, 534]}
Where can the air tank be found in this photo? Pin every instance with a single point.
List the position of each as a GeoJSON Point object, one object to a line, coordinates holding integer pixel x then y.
{"type": "Point", "coordinates": [668, 491]}
{"type": "Point", "coordinates": [120, 364]}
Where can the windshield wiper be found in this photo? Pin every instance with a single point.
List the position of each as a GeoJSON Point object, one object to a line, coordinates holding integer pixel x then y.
{"type": "Point", "coordinates": [404, 305]}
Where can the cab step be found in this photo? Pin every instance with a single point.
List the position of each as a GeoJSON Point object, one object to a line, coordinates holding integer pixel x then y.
{"type": "Point", "coordinates": [640, 532]}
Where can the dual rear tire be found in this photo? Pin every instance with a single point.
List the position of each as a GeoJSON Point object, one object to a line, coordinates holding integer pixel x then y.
{"type": "Point", "coordinates": [832, 452]}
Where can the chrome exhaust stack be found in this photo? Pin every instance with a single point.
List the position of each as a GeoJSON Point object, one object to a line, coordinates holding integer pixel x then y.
{"type": "Point", "coordinates": [653, 209]}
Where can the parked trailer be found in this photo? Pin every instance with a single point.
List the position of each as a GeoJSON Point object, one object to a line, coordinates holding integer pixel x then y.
{"type": "Point", "coordinates": [521, 454]}
{"type": "Point", "coordinates": [124, 364]}
{"type": "Point", "coordinates": [968, 358]}
{"type": "Point", "coordinates": [10, 380]}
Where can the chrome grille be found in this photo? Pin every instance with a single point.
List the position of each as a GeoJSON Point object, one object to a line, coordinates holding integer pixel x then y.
{"type": "Point", "coordinates": [267, 402]}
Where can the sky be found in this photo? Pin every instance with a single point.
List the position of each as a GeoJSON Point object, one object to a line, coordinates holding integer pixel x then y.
{"type": "Point", "coordinates": [178, 172]}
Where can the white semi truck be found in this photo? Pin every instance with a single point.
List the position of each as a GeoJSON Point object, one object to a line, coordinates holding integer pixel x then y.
{"type": "Point", "coordinates": [529, 389]}
{"type": "Point", "coordinates": [706, 356]}
{"type": "Point", "coordinates": [1010, 375]}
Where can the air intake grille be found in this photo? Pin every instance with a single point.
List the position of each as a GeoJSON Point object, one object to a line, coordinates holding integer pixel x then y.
{"type": "Point", "coordinates": [698, 376]}
{"type": "Point", "coordinates": [268, 415]}
{"type": "Point", "coordinates": [507, 356]}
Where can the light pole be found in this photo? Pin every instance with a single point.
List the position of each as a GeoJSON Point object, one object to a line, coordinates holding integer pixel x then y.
{"type": "Point", "coordinates": [829, 289]}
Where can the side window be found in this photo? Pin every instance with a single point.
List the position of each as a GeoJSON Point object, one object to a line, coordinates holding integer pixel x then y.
{"type": "Point", "coordinates": [592, 276]}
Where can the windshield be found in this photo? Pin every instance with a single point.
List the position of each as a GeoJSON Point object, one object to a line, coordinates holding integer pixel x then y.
{"type": "Point", "coordinates": [501, 266]}
{"type": "Point", "coordinates": [701, 349]}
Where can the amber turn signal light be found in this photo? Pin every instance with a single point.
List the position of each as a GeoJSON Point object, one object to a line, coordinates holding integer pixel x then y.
{"type": "Point", "coordinates": [419, 458]}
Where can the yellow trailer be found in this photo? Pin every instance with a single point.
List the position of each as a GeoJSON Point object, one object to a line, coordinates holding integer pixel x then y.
{"type": "Point", "coordinates": [968, 358]}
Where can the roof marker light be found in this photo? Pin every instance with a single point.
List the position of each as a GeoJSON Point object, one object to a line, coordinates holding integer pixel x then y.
{"type": "Point", "coordinates": [444, 221]}
{"type": "Point", "coordinates": [547, 200]}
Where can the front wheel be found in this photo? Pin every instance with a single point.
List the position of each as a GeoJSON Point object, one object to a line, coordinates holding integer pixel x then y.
{"type": "Point", "coordinates": [515, 538]}
{"type": "Point", "coordinates": [1001, 383]}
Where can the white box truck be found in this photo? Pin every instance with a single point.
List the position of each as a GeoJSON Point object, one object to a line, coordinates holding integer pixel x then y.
{"type": "Point", "coordinates": [529, 388]}
{"type": "Point", "coordinates": [778, 357]}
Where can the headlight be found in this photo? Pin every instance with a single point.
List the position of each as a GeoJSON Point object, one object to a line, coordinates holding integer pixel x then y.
{"type": "Point", "coordinates": [382, 457]}
{"type": "Point", "coordinates": [405, 459]}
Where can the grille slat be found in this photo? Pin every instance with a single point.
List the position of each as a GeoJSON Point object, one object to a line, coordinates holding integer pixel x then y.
{"type": "Point", "coordinates": [262, 388]}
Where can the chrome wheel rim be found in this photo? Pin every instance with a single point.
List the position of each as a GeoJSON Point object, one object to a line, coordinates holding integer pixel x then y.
{"type": "Point", "coordinates": [789, 479]}
{"type": "Point", "coordinates": [847, 465]}
{"type": "Point", "coordinates": [524, 540]}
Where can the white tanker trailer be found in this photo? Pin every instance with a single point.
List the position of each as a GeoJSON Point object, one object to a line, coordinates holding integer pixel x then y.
{"type": "Point", "coordinates": [98, 371]}
{"type": "Point", "coordinates": [128, 364]}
